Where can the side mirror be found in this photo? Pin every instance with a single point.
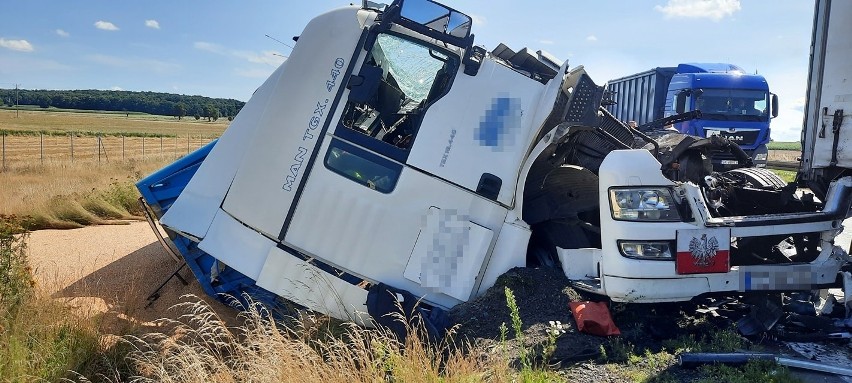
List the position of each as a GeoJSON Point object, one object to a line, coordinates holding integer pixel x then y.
{"type": "Point", "coordinates": [680, 102]}
{"type": "Point", "coordinates": [774, 105]}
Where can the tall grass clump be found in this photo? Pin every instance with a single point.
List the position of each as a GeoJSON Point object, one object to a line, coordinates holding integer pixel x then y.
{"type": "Point", "coordinates": [200, 348]}
{"type": "Point", "coordinates": [40, 339]}
{"type": "Point", "coordinates": [59, 197]}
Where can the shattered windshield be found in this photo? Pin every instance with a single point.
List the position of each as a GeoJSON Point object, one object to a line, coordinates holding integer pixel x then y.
{"type": "Point", "coordinates": [413, 66]}
{"type": "Point", "coordinates": [733, 104]}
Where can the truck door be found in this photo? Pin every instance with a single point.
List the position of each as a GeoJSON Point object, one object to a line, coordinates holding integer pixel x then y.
{"type": "Point", "coordinates": [365, 209]}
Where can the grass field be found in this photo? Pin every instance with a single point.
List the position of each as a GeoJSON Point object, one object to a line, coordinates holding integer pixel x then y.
{"type": "Point", "coordinates": [82, 168]}
{"type": "Point", "coordinates": [110, 123]}
{"type": "Point", "coordinates": [780, 145]}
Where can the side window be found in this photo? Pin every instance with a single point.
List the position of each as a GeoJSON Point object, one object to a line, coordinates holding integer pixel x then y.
{"type": "Point", "coordinates": [399, 79]}
{"type": "Point", "coordinates": [362, 166]}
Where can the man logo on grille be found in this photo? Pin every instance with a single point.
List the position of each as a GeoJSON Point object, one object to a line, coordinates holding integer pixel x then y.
{"type": "Point", "coordinates": [703, 250]}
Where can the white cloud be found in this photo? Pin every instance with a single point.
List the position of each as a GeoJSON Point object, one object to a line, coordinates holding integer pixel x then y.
{"type": "Point", "coordinates": [62, 33]}
{"type": "Point", "coordinates": [799, 104]}
{"type": "Point", "coordinates": [105, 25]}
{"type": "Point", "coordinates": [152, 24]}
{"type": "Point", "coordinates": [591, 38]}
{"type": "Point", "coordinates": [210, 47]}
{"type": "Point", "coordinates": [712, 9]}
{"type": "Point", "coordinates": [254, 72]}
{"type": "Point", "coordinates": [16, 45]}
{"type": "Point", "coordinates": [478, 20]}
{"type": "Point", "coordinates": [271, 58]}
{"type": "Point", "coordinates": [546, 42]}
{"type": "Point", "coordinates": [116, 88]}
{"type": "Point", "coordinates": [135, 63]}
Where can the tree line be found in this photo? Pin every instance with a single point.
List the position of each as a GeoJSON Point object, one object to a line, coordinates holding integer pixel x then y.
{"type": "Point", "coordinates": [165, 104]}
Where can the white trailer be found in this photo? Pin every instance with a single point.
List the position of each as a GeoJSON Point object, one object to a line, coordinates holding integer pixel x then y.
{"type": "Point", "coordinates": [389, 153]}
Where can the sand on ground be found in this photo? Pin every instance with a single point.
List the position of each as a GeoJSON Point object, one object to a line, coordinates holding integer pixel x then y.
{"type": "Point", "coordinates": [108, 271]}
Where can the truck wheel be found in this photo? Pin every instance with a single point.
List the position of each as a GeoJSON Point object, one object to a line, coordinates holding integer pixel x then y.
{"type": "Point", "coordinates": [562, 193]}
{"type": "Point", "coordinates": [759, 178]}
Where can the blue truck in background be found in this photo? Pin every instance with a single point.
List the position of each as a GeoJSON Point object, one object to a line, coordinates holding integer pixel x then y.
{"type": "Point", "coordinates": [733, 104]}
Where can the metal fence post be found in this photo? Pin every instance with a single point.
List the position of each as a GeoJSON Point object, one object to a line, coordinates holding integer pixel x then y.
{"type": "Point", "coordinates": [72, 147]}
{"type": "Point", "coordinates": [122, 147]}
{"type": "Point", "coordinates": [143, 148]}
{"type": "Point", "coordinates": [4, 151]}
{"type": "Point", "coordinates": [187, 144]}
{"type": "Point", "coordinates": [161, 145]}
{"type": "Point", "coordinates": [99, 148]}
{"type": "Point", "coordinates": [41, 147]}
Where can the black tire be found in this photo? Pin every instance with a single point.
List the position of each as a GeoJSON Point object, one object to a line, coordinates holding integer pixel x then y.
{"type": "Point", "coordinates": [759, 178]}
{"type": "Point", "coordinates": [564, 192]}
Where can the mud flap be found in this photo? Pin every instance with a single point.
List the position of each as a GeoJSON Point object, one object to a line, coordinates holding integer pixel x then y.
{"type": "Point", "coordinates": [384, 304]}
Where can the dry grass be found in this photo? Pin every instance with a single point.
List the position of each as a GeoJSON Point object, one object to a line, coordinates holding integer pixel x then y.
{"type": "Point", "coordinates": [107, 123]}
{"type": "Point", "coordinates": [40, 338]}
{"type": "Point", "coordinates": [202, 349]}
{"type": "Point", "coordinates": [784, 155]}
{"type": "Point", "coordinates": [43, 178]}
{"type": "Point", "coordinates": [24, 151]}
{"type": "Point", "coordinates": [65, 195]}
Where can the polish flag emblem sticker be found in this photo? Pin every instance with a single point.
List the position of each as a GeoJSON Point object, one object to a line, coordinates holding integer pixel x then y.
{"type": "Point", "coordinates": [703, 251]}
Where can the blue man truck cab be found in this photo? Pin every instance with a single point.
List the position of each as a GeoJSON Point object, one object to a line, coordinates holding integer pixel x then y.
{"type": "Point", "coordinates": [733, 104]}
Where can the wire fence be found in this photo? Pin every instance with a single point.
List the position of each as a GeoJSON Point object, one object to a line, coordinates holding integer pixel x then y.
{"type": "Point", "coordinates": [28, 150]}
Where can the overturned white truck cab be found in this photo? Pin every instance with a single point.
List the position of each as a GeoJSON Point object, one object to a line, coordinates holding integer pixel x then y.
{"type": "Point", "coordinates": [388, 153]}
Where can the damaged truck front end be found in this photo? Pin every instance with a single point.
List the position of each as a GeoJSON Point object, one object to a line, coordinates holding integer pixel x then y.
{"type": "Point", "coordinates": [390, 154]}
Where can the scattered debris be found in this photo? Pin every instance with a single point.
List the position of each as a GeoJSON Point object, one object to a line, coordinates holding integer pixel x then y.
{"type": "Point", "coordinates": [739, 358]}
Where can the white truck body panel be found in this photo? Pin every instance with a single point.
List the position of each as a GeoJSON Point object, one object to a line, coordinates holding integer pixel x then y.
{"type": "Point", "coordinates": [830, 87]}
{"type": "Point", "coordinates": [299, 281]}
{"type": "Point", "coordinates": [270, 173]}
{"type": "Point", "coordinates": [195, 207]}
{"type": "Point", "coordinates": [386, 226]}
{"type": "Point", "coordinates": [479, 127]}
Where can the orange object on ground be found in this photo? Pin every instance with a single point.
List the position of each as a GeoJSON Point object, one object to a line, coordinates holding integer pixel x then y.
{"type": "Point", "coordinates": [593, 318]}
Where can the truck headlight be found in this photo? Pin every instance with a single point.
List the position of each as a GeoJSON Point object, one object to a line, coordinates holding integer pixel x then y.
{"type": "Point", "coordinates": [643, 204]}
{"type": "Point", "coordinates": [760, 157]}
{"type": "Point", "coordinates": [660, 250]}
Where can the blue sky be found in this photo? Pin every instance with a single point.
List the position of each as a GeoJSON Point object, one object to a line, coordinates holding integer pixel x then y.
{"type": "Point", "coordinates": [217, 48]}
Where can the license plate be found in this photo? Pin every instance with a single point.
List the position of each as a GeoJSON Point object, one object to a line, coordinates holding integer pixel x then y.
{"type": "Point", "coordinates": [730, 162]}
{"type": "Point", "coordinates": [703, 251]}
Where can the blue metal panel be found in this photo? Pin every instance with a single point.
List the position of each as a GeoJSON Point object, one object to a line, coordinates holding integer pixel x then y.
{"type": "Point", "coordinates": [161, 188]}
{"type": "Point", "coordinates": [641, 97]}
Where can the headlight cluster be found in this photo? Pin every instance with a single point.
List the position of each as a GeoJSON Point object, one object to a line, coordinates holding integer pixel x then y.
{"type": "Point", "coordinates": [760, 157]}
{"type": "Point", "coordinates": [646, 249]}
{"type": "Point", "coordinates": [643, 204]}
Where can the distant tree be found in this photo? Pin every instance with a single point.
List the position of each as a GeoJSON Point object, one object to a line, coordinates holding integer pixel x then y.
{"type": "Point", "coordinates": [209, 110]}
{"type": "Point", "coordinates": [214, 113]}
{"type": "Point", "coordinates": [43, 101]}
{"type": "Point", "coordinates": [180, 110]}
{"type": "Point", "coordinates": [230, 118]}
{"type": "Point", "coordinates": [58, 100]}
{"type": "Point", "coordinates": [197, 117]}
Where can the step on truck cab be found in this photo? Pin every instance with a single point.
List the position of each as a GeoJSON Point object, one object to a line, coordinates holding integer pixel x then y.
{"type": "Point", "coordinates": [390, 153]}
